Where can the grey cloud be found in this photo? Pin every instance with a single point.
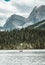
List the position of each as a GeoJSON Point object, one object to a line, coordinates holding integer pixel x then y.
{"type": "Point", "coordinates": [23, 8]}
{"type": "Point", "coordinates": [4, 11]}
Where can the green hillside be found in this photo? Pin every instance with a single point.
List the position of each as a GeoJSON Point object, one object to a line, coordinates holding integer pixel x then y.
{"type": "Point", "coordinates": [39, 25]}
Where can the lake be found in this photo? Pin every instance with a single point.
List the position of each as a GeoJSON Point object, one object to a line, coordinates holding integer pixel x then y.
{"type": "Point", "coordinates": [31, 57]}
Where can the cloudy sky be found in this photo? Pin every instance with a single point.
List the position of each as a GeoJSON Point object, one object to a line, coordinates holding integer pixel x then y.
{"type": "Point", "coordinates": [19, 7]}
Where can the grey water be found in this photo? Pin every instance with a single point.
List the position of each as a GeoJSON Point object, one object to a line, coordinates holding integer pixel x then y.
{"type": "Point", "coordinates": [22, 58]}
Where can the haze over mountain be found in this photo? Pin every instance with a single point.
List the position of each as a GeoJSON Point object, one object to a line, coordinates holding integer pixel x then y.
{"type": "Point", "coordinates": [17, 21]}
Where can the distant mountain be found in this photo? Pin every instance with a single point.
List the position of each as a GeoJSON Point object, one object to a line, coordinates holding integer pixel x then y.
{"type": "Point", "coordinates": [14, 22]}
{"type": "Point", "coordinates": [19, 22]}
{"type": "Point", "coordinates": [40, 25]}
{"type": "Point", "coordinates": [38, 14]}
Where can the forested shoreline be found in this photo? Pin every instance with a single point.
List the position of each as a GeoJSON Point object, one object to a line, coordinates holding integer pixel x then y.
{"type": "Point", "coordinates": [22, 39]}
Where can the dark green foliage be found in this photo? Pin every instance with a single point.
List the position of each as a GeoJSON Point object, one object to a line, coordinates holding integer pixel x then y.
{"type": "Point", "coordinates": [33, 37]}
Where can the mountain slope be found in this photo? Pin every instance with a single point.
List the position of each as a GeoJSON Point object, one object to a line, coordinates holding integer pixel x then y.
{"type": "Point", "coordinates": [38, 14]}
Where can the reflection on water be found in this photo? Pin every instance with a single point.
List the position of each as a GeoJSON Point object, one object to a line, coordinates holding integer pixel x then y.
{"type": "Point", "coordinates": [22, 58]}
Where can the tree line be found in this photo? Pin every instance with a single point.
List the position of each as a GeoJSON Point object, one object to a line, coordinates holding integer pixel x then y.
{"type": "Point", "coordinates": [34, 38]}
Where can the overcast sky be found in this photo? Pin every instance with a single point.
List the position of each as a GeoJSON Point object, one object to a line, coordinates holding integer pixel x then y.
{"type": "Point", "coordinates": [19, 7]}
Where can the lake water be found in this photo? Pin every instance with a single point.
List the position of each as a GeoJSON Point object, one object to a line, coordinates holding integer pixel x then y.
{"type": "Point", "coordinates": [22, 58]}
